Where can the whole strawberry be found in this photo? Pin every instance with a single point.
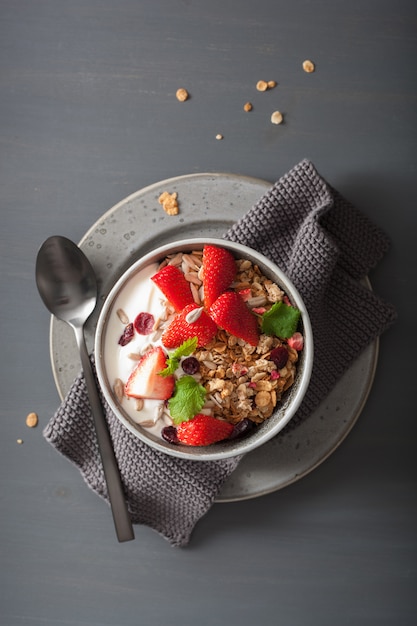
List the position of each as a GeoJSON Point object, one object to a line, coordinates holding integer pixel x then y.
{"type": "Point", "coordinates": [203, 430]}
{"type": "Point", "coordinates": [219, 271]}
{"type": "Point", "coordinates": [231, 313]}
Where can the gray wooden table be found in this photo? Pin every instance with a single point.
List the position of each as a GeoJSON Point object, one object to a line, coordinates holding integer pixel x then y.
{"type": "Point", "coordinates": [88, 115]}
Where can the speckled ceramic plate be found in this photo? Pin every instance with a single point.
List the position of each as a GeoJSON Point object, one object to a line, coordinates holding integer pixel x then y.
{"type": "Point", "coordinates": [209, 204]}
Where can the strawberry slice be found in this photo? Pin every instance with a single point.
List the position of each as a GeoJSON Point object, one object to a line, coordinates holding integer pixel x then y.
{"type": "Point", "coordinates": [174, 286]}
{"type": "Point", "coordinates": [145, 380]}
{"type": "Point", "coordinates": [193, 321]}
{"type": "Point", "coordinates": [231, 313]}
{"type": "Point", "coordinates": [219, 268]}
{"type": "Point", "coordinates": [203, 430]}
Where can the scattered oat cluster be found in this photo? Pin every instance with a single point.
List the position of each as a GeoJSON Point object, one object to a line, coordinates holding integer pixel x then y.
{"type": "Point", "coordinates": [262, 85]}
{"type": "Point", "coordinates": [169, 202]}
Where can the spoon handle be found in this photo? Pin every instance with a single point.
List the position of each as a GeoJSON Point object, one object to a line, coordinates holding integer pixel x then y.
{"type": "Point", "coordinates": [122, 521]}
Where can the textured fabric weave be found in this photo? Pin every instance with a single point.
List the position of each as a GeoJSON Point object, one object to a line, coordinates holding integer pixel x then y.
{"type": "Point", "coordinates": [326, 246]}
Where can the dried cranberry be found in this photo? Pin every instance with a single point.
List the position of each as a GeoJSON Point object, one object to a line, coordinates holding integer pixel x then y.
{"type": "Point", "coordinates": [296, 342]}
{"type": "Point", "coordinates": [190, 365]}
{"type": "Point", "coordinates": [127, 336]}
{"type": "Point", "coordinates": [169, 433]}
{"type": "Point", "coordinates": [241, 428]}
{"type": "Point", "coordinates": [144, 323]}
{"type": "Point", "coordinates": [279, 356]}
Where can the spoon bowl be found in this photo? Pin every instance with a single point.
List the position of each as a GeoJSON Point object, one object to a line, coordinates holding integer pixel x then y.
{"type": "Point", "coordinates": [68, 288]}
{"type": "Point", "coordinates": [66, 281]}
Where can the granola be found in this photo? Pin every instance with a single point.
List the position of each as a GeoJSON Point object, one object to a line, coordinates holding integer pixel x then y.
{"type": "Point", "coordinates": [240, 379]}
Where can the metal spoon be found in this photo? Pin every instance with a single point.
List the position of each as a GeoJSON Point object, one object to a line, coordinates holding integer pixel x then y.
{"type": "Point", "coordinates": [68, 288]}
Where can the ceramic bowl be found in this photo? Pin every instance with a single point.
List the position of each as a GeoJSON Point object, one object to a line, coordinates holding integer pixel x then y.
{"type": "Point", "coordinates": [106, 356]}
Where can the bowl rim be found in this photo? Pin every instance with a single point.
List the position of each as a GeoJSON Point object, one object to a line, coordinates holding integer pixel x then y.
{"type": "Point", "coordinates": [237, 447]}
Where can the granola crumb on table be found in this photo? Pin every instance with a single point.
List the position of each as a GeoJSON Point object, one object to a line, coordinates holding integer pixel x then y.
{"type": "Point", "coordinates": [182, 94]}
{"type": "Point", "coordinates": [169, 202]}
{"type": "Point", "coordinates": [277, 117]}
{"type": "Point", "coordinates": [308, 66]}
{"type": "Point", "coordinates": [32, 420]}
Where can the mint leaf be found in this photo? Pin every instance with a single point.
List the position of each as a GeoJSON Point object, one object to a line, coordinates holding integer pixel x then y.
{"type": "Point", "coordinates": [281, 320]}
{"type": "Point", "coordinates": [185, 349]}
{"type": "Point", "coordinates": [188, 399]}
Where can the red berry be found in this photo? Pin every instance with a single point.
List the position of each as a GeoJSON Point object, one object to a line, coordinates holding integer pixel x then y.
{"type": "Point", "coordinates": [180, 329]}
{"type": "Point", "coordinates": [245, 294]}
{"type": "Point", "coordinates": [144, 323]}
{"type": "Point", "coordinates": [203, 430]}
{"type": "Point", "coordinates": [190, 365]}
{"type": "Point", "coordinates": [174, 286]}
{"type": "Point", "coordinates": [127, 335]}
{"type": "Point", "coordinates": [241, 428]}
{"type": "Point", "coordinates": [219, 267]}
{"type": "Point", "coordinates": [233, 315]}
{"type": "Point", "coordinates": [169, 433]}
{"type": "Point", "coordinates": [279, 356]}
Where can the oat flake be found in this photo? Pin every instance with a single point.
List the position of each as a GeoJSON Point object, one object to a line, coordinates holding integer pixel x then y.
{"type": "Point", "coordinates": [277, 117]}
{"type": "Point", "coordinates": [308, 66]}
{"type": "Point", "coordinates": [32, 420]}
{"type": "Point", "coordinates": [182, 95]}
{"type": "Point", "coordinates": [261, 85]}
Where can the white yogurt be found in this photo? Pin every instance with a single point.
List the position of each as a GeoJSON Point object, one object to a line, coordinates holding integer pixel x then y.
{"type": "Point", "coordinates": [139, 295]}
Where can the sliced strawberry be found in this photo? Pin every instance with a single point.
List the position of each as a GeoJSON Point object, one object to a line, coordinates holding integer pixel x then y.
{"type": "Point", "coordinates": [203, 430]}
{"type": "Point", "coordinates": [219, 267]}
{"type": "Point", "coordinates": [174, 286]}
{"type": "Point", "coordinates": [145, 380]}
{"type": "Point", "coordinates": [231, 313]}
{"type": "Point", "coordinates": [193, 321]}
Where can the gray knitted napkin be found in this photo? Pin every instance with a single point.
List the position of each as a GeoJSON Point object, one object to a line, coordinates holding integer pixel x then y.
{"type": "Point", "coordinates": [326, 246]}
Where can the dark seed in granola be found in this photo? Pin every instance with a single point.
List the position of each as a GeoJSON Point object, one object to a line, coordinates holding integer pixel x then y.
{"type": "Point", "coordinates": [169, 433]}
{"type": "Point", "coordinates": [144, 323]}
{"type": "Point", "coordinates": [127, 335]}
{"type": "Point", "coordinates": [241, 428]}
{"type": "Point", "coordinates": [279, 356]}
{"type": "Point", "coordinates": [190, 365]}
